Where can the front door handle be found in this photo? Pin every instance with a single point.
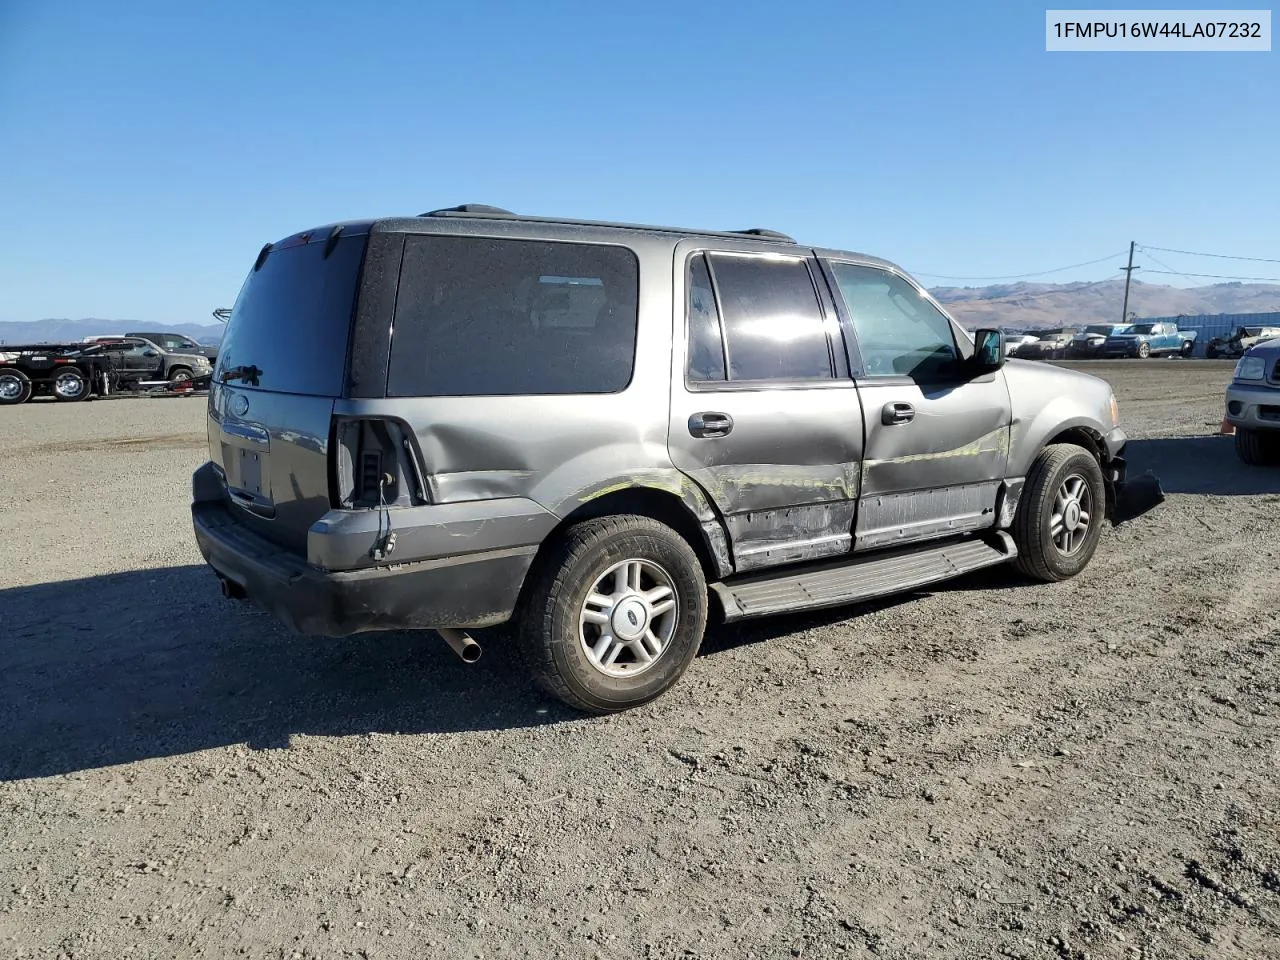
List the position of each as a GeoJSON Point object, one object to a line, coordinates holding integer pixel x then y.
{"type": "Point", "coordinates": [897, 413]}
{"type": "Point", "coordinates": [710, 424]}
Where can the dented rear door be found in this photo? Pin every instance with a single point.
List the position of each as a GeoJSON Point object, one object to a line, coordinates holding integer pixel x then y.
{"type": "Point", "coordinates": [764, 417]}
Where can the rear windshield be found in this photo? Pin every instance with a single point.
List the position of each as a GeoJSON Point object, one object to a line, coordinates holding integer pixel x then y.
{"type": "Point", "coordinates": [293, 316]}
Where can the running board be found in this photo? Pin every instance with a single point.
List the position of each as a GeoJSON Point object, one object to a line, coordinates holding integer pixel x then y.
{"type": "Point", "coordinates": [850, 580]}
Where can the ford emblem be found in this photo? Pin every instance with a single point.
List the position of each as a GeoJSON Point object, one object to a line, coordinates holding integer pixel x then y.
{"type": "Point", "coordinates": [239, 405]}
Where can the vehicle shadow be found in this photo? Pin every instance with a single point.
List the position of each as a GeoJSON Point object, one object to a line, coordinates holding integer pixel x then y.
{"type": "Point", "coordinates": [153, 663]}
{"type": "Point", "coordinates": [1200, 465]}
{"type": "Point", "coordinates": [129, 666]}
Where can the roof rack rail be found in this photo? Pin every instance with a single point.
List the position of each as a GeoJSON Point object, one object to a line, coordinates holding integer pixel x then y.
{"type": "Point", "coordinates": [762, 232]}
{"type": "Point", "coordinates": [468, 208]}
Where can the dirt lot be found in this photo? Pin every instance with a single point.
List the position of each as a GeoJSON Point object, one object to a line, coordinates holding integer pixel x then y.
{"type": "Point", "coordinates": [1087, 769]}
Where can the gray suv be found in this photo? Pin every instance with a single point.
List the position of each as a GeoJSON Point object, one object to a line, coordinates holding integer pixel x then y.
{"type": "Point", "coordinates": [603, 435]}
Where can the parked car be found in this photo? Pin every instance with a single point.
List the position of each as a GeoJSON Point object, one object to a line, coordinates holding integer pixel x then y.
{"type": "Point", "coordinates": [1046, 346]}
{"type": "Point", "coordinates": [1253, 404]}
{"type": "Point", "coordinates": [1241, 339]}
{"type": "Point", "coordinates": [602, 435]}
{"type": "Point", "coordinates": [138, 359]}
{"type": "Point", "coordinates": [177, 343]}
{"type": "Point", "coordinates": [1149, 340]}
{"type": "Point", "coordinates": [1088, 343]}
{"type": "Point", "coordinates": [1015, 340]}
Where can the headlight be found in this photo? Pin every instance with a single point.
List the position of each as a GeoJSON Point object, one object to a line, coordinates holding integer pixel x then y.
{"type": "Point", "coordinates": [1250, 368]}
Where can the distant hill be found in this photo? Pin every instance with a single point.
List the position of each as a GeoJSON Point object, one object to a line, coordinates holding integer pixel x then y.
{"type": "Point", "coordinates": [1024, 306]}
{"type": "Point", "coordinates": [44, 331]}
{"type": "Point", "coordinates": [1014, 306]}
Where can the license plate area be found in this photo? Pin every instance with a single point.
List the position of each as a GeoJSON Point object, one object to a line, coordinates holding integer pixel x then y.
{"type": "Point", "coordinates": [246, 459]}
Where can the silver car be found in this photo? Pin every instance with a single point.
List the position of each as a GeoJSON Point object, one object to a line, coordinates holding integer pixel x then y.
{"type": "Point", "coordinates": [605, 435]}
{"type": "Point", "coordinates": [1253, 404]}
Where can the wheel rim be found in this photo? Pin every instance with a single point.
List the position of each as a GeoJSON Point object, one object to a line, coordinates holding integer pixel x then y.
{"type": "Point", "coordinates": [68, 385]}
{"type": "Point", "coordinates": [628, 618]}
{"type": "Point", "coordinates": [1072, 516]}
{"type": "Point", "coordinates": [10, 388]}
{"type": "Point", "coordinates": [180, 376]}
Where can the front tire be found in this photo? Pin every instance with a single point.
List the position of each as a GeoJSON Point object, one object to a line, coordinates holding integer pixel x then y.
{"type": "Point", "coordinates": [1257, 448]}
{"type": "Point", "coordinates": [1144, 351]}
{"type": "Point", "coordinates": [614, 615]}
{"type": "Point", "coordinates": [1060, 517]}
{"type": "Point", "coordinates": [179, 375]}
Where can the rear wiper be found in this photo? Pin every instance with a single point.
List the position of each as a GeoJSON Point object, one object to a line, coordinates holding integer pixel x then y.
{"type": "Point", "coordinates": [249, 374]}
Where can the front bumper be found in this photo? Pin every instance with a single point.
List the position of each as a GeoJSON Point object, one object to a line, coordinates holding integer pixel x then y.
{"type": "Point", "coordinates": [1127, 497]}
{"type": "Point", "coordinates": [1253, 405]}
{"type": "Point", "coordinates": [470, 591]}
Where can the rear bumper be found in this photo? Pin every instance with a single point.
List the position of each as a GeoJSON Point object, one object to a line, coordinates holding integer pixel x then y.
{"type": "Point", "coordinates": [468, 591]}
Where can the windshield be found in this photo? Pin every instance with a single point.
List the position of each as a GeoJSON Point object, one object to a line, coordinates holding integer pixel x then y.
{"type": "Point", "coordinates": [1104, 329]}
{"type": "Point", "coordinates": [1141, 328]}
{"type": "Point", "coordinates": [292, 318]}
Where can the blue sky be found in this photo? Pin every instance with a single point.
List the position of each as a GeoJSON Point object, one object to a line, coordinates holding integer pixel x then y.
{"type": "Point", "coordinates": [149, 149]}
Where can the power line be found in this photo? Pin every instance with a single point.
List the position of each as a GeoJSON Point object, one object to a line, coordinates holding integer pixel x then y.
{"type": "Point", "coordinates": [1217, 276]}
{"type": "Point", "coordinates": [1021, 276]}
{"type": "Point", "coordinates": [1219, 256]}
{"type": "Point", "coordinates": [1167, 268]}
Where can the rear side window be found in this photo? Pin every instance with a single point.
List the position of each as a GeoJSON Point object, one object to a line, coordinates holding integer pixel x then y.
{"type": "Point", "coordinates": [479, 316]}
{"type": "Point", "coordinates": [292, 318]}
{"type": "Point", "coordinates": [772, 320]}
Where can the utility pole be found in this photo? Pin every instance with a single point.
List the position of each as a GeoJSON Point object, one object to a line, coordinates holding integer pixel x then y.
{"type": "Point", "coordinates": [1128, 275]}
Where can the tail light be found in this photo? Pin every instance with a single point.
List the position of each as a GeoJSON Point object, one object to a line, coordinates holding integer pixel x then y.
{"type": "Point", "coordinates": [373, 462]}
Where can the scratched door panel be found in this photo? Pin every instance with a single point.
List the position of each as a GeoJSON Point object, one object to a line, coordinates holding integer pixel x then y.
{"type": "Point", "coordinates": [939, 471]}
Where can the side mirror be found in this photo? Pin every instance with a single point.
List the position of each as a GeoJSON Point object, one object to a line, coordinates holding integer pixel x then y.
{"type": "Point", "coordinates": [988, 350]}
{"type": "Point", "coordinates": [149, 353]}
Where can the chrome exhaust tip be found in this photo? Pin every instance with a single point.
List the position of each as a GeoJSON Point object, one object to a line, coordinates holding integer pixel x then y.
{"type": "Point", "coordinates": [463, 644]}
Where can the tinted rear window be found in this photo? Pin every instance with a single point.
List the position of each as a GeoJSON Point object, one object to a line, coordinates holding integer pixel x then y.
{"type": "Point", "coordinates": [292, 318]}
{"type": "Point", "coordinates": [479, 316]}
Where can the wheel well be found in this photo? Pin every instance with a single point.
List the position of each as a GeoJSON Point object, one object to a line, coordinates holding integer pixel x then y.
{"type": "Point", "coordinates": [1092, 441]}
{"type": "Point", "coordinates": [658, 505]}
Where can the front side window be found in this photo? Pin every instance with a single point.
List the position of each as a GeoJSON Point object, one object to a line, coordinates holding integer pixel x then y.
{"type": "Point", "coordinates": [773, 323]}
{"type": "Point", "coordinates": [480, 316]}
{"type": "Point", "coordinates": [899, 332]}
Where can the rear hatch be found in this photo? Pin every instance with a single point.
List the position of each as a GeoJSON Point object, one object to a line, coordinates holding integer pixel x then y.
{"type": "Point", "coordinates": [281, 365]}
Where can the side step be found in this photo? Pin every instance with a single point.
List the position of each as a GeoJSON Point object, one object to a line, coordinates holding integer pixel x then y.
{"type": "Point", "coordinates": [850, 580]}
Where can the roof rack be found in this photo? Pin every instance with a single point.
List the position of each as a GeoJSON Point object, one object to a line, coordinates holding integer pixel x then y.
{"type": "Point", "coordinates": [769, 234]}
{"type": "Point", "coordinates": [468, 209]}
{"type": "Point", "coordinates": [486, 211]}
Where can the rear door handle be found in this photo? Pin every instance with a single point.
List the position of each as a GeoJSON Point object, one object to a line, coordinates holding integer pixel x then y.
{"type": "Point", "coordinates": [897, 413]}
{"type": "Point", "coordinates": [710, 424]}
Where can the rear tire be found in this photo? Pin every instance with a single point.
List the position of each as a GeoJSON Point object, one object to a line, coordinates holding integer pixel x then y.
{"type": "Point", "coordinates": [70, 385]}
{"type": "Point", "coordinates": [15, 387]}
{"type": "Point", "coordinates": [1060, 516]}
{"type": "Point", "coordinates": [1257, 448]}
{"type": "Point", "coordinates": [1188, 347]}
{"type": "Point", "coordinates": [614, 614]}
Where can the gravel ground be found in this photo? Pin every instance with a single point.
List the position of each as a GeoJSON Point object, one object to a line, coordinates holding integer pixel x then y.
{"type": "Point", "coordinates": [990, 768]}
